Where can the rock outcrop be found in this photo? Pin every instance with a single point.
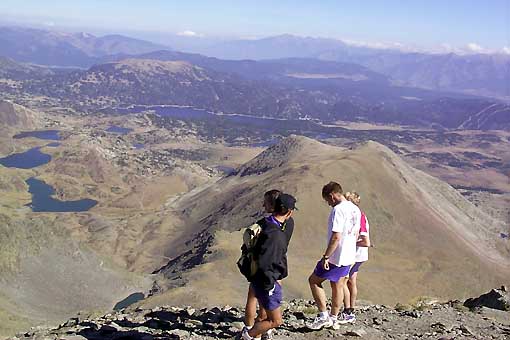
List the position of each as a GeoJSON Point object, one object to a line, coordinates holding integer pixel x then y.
{"type": "Point", "coordinates": [433, 320]}
{"type": "Point", "coordinates": [496, 298]}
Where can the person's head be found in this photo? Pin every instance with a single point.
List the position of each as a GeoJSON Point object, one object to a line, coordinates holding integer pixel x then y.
{"type": "Point", "coordinates": [269, 200]}
{"type": "Point", "coordinates": [284, 205]}
{"type": "Point", "coordinates": [353, 196]}
{"type": "Point", "coordinates": [332, 193]}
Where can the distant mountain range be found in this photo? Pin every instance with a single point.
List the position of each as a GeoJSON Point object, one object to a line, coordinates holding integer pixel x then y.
{"type": "Point", "coordinates": [336, 81]}
{"type": "Point", "coordinates": [291, 89]}
{"type": "Point", "coordinates": [480, 74]}
{"type": "Point", "coordinates": [66, 49]}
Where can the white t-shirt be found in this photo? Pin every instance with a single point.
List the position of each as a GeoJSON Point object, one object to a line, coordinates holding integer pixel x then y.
{"type": "Point", "coordinates": [344, 219]}
{"type": "Point", "coordinates": [362, 252]}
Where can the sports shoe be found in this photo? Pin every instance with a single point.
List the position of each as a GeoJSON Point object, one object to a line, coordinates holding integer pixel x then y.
{"type": "Point", "coordinates": [319, 323]}
{"type": "Point", "coordinates": [343, 319]}
{"type": "Point", "coordinates": [268, 335]}
{"type": "Point", "coordinates": [244, 335]}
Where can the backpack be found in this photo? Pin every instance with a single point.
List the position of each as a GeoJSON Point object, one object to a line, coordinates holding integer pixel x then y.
{"type": "Point", "coordinates": [247, 263]}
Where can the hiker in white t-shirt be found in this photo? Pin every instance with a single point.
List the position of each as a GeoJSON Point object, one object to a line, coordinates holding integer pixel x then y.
{"type": "Point", "coordinates": [351, 289]}
{"type": "Point", "coordinates": [336, 261]}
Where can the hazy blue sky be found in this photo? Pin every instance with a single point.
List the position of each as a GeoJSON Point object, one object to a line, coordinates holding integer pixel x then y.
{"type": "Point", "coordinates": [419, 22]}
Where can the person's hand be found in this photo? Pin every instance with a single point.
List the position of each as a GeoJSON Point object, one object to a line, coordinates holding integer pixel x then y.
{"type": "Point", "coordinates": [325, 263]}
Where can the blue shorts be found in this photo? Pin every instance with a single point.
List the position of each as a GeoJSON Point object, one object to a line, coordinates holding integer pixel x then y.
{"type": "Point", "coordinates": [269, 300]}
{"type": "Point", "coordinates": [334, 273]}
{"type": "Point", "coordinates": [355, 268]}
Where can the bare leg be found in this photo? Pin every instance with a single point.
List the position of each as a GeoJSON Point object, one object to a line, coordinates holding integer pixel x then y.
{"type": "Point", "coordinates": [353, 288]}
{"type": "Point", "coordinates": [273, 320]}
{"type": "Point", "coordinates": [337, 289]}
{"type": "Point", "coordinates": [251, 308]}
{"type": "Point", "coordinates": [262, 315]}
{"type": "Point", "coordinates": [318, 292]}
{"type": "Point", "coordinates": [347, 296]}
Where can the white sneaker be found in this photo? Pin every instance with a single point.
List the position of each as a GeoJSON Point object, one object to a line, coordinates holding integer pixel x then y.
{"type": "Point", "coordinates": [268, 335]}
{"type": "Point", "coordinates": [344, 319]}
{"type": "Point", "coordinates": [245, 336]}
{"type": "Point", "coordinates": [319, 323]}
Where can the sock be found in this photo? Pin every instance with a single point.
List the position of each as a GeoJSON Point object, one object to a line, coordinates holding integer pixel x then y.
{"type": "Point", "coordinates": [324, 315]}
{"type": "Point", "coordinates": [333, 317]}
{"type": "Point", "coordinates": [248, 327]}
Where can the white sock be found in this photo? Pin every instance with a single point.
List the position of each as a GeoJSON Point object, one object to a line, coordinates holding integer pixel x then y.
{"type": "Point", "coordinates": [333, 317]}
{"type": "Point", "coordinates": [324, 315]}
{"type": "Point", "coordinates": [248, 327]}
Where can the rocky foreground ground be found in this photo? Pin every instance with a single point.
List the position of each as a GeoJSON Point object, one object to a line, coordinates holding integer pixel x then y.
{"type": "Point", "coordinates": [485, 317]}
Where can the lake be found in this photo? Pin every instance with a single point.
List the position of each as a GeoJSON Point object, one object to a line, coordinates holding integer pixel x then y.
{"type": "Point", "coordinates": [41, 134]}
{"type": "Point", "coordinates": [42, 200]}
{"type": "Point", "coordinates": [135, 297]}
{"type": "Point", "coordinates": [26, 160]}
{"type": "Point", "coordinates": [119, 130]}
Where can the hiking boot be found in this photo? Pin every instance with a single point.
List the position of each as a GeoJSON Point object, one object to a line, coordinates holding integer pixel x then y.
{"type": "Point", "coordinates": [319, 323]}
{"type": "Point", "coordinates": [344, 319]}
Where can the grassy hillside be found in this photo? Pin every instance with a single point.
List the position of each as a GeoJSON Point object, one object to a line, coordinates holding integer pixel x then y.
{"type": "Point", "coordinates": [429, 240]}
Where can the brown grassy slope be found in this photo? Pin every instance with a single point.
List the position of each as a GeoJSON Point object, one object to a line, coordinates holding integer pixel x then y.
{"type": "Point", "coordinates": [429, 239]}
{"type": "Point", "coordinates": [17, 116]}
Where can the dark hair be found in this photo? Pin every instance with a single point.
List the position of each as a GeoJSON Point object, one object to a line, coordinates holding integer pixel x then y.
{"type": "Point", "coordinates": [271, 196]}
{"type": "Point", "coordinates": [330, 188]}
{"type": "Point", "coordinates": [279, 208]}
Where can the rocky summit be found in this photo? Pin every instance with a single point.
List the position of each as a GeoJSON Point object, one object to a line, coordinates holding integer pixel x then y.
{"type": "Point", "coordinates": [423, 320]}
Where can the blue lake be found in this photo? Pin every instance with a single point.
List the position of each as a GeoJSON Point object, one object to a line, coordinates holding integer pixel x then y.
{"type": "Point", "coordinates": [42, 200]}
{"type": "Point", "coordinates": [119, 129]}
{"type": "Point", "coordinates": [41, 134]}
{"type": "Point", "coordinates": [135, 297]}
{"type": "Point", "coordinates": [227, 170]}
{"type": "Point", "coordinates": [26, 160]}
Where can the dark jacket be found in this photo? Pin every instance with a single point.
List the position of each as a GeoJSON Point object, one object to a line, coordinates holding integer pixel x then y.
{"type": "Point", "coordinates": [271, 252]}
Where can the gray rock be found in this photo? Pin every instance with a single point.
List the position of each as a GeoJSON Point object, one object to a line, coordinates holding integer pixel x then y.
{"type": "Point", "coordinates": [356, 332]}
{"type": "Point", "coordinates": [71, 337]}
{"type": "Point", "coordinates": [496, 298]}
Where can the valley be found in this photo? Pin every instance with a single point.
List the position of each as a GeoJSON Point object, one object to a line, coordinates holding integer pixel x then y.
{"type": "Point", "coordinates": [128, 170]}
{"type": "Point", "coordinates": [148, 172]}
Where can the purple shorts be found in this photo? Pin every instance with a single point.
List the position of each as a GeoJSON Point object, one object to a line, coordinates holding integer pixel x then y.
{"type": "Point", "coordinates": [269, 300]}
{"type": "Point", "coordinates": [355, 268]}
{"type": "Point", "coordinates": [334, 273]}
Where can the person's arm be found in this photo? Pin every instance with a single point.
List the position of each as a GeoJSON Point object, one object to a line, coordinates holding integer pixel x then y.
{"type": "Point", "coordinates": [333, 244]}
{"type": "Point", "coordinates": [336, 236]}
{"type": "Point", "coordinates": [363, 241]}
{"type": "Point", "coordinates": [267, 252]}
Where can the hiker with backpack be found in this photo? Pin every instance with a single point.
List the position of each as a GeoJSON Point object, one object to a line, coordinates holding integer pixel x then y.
{"type": "Point", "coordinates": [351, 289]}
{"type": "Point", "coordinates": [264, 263]}
{"type": "Point", "coordinates": [337, 259]}
{"type": "Point", "coordinates": [251, 301]}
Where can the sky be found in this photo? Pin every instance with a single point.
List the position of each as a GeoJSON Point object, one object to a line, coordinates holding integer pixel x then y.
{"type": "Point", "coordinates": [483, 24]}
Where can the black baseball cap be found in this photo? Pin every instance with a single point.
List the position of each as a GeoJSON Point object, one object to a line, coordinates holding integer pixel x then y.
{"type": "Point", "coordinates": [287, 201]}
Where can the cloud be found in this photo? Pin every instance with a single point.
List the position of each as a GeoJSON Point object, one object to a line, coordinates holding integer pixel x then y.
{"type": "Point", "coordinates": [473, 47]}
{"type": "Point", "coordinates": [506, 50]}
{"type": "Point", "coordinates": [188, 33]}
{"type": "Point", "coordinates": [49, 23]}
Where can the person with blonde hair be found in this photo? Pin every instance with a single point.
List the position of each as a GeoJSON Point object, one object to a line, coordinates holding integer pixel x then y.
{"type": "Point", "coordinates": [362, 244]}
